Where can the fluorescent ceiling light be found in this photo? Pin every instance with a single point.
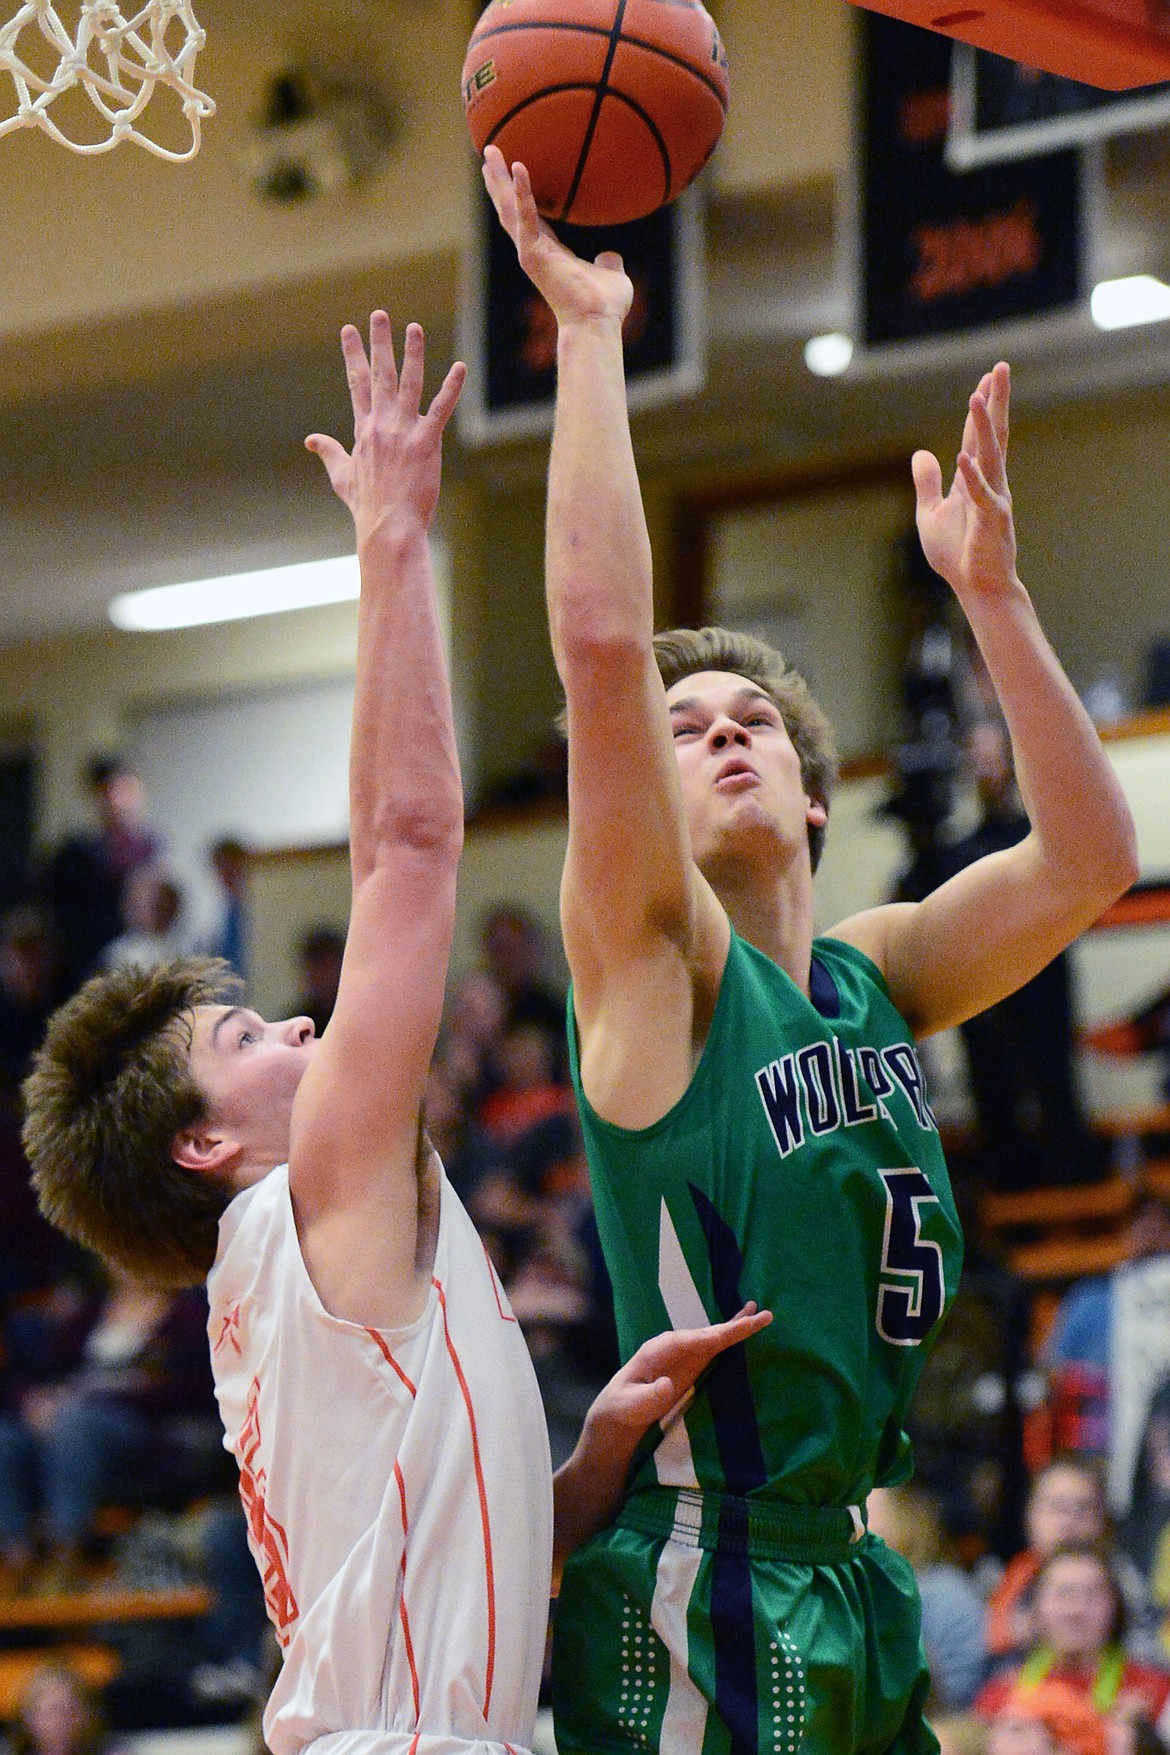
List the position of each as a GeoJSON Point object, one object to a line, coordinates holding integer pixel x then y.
{"type": "Point", "coordinates": [238, 595]}
{"type": "Point", "coordinates": [828, 355]}
{"type": "Point", "coordinates": [1140, 298]}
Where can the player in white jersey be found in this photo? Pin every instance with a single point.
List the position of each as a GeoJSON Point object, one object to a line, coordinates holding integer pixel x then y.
{"type": "Point", "coordinates": [373, 1383]}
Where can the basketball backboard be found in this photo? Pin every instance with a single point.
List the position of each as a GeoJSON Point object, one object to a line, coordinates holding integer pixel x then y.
{"type": "Point", "coordinates": [1114, 44]}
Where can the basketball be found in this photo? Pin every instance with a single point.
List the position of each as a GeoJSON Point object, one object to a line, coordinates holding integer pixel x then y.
{"type": "Point", "coordinates": [614, 106]}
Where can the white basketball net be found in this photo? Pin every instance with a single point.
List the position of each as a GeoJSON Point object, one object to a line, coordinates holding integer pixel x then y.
{"type": "Point", "coordinates": [117, 61]}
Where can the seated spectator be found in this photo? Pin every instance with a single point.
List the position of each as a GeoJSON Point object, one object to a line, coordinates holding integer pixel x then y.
{"type": "Point", "coordinates": [152, 916]}
{"type": "Point", "coordinates": [319, 955]}
{"type": "Point", "coordinates": [1066, 1504]}
{"type": "Point", "coordinates": [58, 1714]}
{"type": "Point", "coordinates": [119, 1408]}
{"type": "Point", "coordinates": [529, 1091]}
{"type": "Point", "coordinates": [1079, 1625]}
{"type": "Point", "coordinates": [1050, 1719]}
{"type": "Point", "coordinates": [908, 1520]}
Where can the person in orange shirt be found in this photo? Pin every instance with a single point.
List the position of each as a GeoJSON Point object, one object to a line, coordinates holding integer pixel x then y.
{"type": "Point", "coordinates": [1079, 1622]}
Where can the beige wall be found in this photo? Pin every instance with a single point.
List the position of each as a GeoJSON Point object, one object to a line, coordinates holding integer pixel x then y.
{"type": "Point", "coordinates": [1090, 488]}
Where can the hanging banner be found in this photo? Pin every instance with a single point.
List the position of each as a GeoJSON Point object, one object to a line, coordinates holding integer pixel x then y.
{"type": "Point", "coordinates": [944, 252]}
{"type": "Point", "coordinates": [509, 334]}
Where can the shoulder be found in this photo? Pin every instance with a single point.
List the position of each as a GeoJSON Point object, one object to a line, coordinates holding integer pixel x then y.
{"type": "Point", "coordinates": [256, 1219]}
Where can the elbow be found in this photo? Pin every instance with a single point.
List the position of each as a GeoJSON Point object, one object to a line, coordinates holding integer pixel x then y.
{"type": "Point", "coordinates": [598, 651]}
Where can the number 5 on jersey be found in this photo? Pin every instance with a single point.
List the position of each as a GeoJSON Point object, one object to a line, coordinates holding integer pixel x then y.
{"type": "Point", "coordinates": [911, 1293]}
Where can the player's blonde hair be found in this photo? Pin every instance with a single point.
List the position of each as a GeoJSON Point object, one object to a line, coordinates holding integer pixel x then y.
{"type": "Point", "coordinates": [684, 652]}
{"type": "Point", "coordinates": [109, 1090]}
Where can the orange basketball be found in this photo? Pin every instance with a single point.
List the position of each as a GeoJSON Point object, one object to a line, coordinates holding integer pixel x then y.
{"type": "Point", "coordinates": [613, 105]}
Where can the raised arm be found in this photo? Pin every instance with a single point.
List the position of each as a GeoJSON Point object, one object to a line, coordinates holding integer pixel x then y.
{"type": "Point", "coordinates": [355, 1156]}
{"type": "Point", "coordinates": [997, 923]}
{"type": "Point", "coordinates": [629, 890]}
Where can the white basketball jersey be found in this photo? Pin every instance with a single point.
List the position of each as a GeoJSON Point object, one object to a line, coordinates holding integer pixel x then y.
{"type": "Point", "coordinates": [398, 1493]}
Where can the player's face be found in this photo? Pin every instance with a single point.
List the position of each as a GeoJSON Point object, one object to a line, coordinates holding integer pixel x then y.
{"type": "Point", "coordinates": [250, 1072]}
{"type": "Point", "coordinates": [740, 773]}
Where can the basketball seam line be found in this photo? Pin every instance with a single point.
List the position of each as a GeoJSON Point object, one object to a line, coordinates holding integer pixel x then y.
{"type": "Point", "coordinates": [596, 30]}
{"type": "Point", "coordinates": [615, 35]}
{"type": "Point", "coordinates": [588, 85]}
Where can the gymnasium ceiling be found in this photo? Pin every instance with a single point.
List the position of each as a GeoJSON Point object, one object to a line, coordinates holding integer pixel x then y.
{"type": "Point", "coordinates": [167, 336]}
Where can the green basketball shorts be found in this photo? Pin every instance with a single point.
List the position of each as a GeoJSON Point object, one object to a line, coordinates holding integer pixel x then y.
{"type": "Point", "coordinates": [700, 1624]}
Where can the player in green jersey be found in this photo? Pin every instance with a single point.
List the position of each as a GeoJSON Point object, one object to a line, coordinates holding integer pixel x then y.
{"type": "Point", "coordinates": [755, 1114]}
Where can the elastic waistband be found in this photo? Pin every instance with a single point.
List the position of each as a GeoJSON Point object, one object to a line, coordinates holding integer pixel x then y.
{"type": "Point", "coordinates": [807, 1535]}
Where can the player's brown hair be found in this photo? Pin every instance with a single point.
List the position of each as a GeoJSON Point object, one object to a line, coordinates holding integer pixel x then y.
{"type": "Point", "coordinates": [109, 1090]}
{"type": "Point", "coordinates": [686, 651]}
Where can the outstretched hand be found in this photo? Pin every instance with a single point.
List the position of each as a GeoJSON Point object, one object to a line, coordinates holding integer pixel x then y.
{"type": "Point", "coordinates": [577, 291]}
{"type": "Point", "coordinates": [658, 1381]}
{"type": "Point", "coordinates": [968, 534]}
{"type": "Point", "coordinates": [393, 471]}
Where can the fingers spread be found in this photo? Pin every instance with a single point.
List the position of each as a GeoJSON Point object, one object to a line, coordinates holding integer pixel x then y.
{"type": "Point", "coordinates": [413, 358]}
{"type": "Point", "coordinates": [383, 372]}
{"type": "Point", "coordinates": [335, 457]}
{"type": "Point", "coordinates": [443, 405]}
{"type": "Point", "coordinates": [927, 473]}
{"type": "Point", "coordinates": [357, 370]}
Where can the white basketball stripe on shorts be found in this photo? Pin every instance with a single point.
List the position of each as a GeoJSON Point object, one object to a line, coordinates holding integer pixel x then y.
{"type": "Point", "coordinates": [684, 1722]}
{"type": "Point", "coordinates": [673, 1462]}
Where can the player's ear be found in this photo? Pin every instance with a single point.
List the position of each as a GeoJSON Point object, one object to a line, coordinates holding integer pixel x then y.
{"type": "Point", "coordinates": [204, 1149]}
{"type": "Point", "coordinates": [817, 814]}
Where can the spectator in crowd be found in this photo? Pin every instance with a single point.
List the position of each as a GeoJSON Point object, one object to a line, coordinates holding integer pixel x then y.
{"type": "Point", "coordinates": [30, 1250]}
{"type": "Point", "coordinates": [58, 1714]}
{"type": "Point", "coordinates": [1078, 1638]}
{"type": "Point", "coordinates": [119, 1404]}
{"type": "Point", "coordinates": [152, 917]}
{"type": "Point", "coordinates": [908, 1520]}
{"type": "Point", "coordinates": [1082, 1339]}
{"type": "Point", "coordinates": [1066, 1504]}
{"type": "Point", "coordinates": [319, 955]}
{"type": "Point", "coordinates": [1050, 1719]}
{"type": "Point", "coordinates": [1021, 1052]}
{"type": "Point", "coordinates": [529, 1091]}
{"type": "Point", "coordinates": [470, 1041]}
{"type": "Point", "coordinates": [515, 952]}
{"type": "Point", "coordinates": [87, 875]}
{"type": "Point", "coordinates": [229, 859]}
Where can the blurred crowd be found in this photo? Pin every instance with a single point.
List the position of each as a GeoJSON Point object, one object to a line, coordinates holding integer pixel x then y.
{"type": "Point", "coordinates": [1038, 1525]}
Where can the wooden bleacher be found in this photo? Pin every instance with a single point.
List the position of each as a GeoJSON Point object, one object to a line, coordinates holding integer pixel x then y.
{"type": "Point", "coordinates": [69, 1626]}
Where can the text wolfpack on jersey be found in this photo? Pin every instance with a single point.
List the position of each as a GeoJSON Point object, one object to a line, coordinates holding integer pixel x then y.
{"type": "Point", "coordinates": [816, 1089]}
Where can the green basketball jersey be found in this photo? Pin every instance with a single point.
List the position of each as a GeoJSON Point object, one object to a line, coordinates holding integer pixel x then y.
{"type": "Point", "coordinates": [802, 1168]}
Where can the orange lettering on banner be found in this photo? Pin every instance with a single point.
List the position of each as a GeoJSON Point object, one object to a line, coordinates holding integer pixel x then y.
{"type": "Point", "coordinates": [923, 116]}
{"type": "Point", "coordinates": [268, 1540]}
{"type": "Point", "coordinates": [964, 254]}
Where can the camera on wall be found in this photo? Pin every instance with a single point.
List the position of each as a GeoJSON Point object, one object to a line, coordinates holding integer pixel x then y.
{"type": "Point", "coordinates": [317, 136]}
